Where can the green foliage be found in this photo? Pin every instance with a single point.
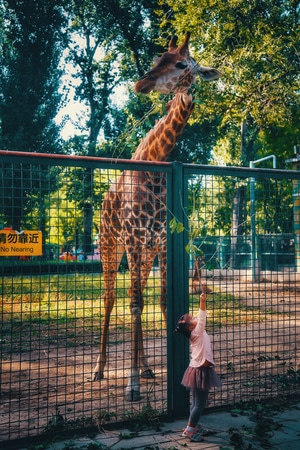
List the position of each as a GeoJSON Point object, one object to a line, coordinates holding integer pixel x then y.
{"type": "Point", "coordinates": [256, 46]}
{"type": "Point", "coordinates": [30, 51]}
{"type": "Point", "coordinates": [250, 89]}
{"type": "Point", "coordinates": [110, 44]}
{"type": "Point", "coordinates": [147, 418]}
{"type": "Point", "coordinates": [175, 226]}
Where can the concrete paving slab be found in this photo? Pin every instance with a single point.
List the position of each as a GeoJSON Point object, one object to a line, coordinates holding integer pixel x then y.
{"type": "Point", "coordinates": [284, 434]}
{"type": "Point", "coordinates": [289, 415]}
{"type": "Point", "coordinates": [281, 437]}
{"type": "Point", "coordinates": [225, 421]}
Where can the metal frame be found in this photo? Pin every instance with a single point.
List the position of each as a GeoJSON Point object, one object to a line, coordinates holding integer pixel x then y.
{"type": "Point", "coordinates": [179, 301]}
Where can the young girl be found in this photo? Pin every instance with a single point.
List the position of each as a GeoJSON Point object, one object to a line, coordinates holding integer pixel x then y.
{"type": "Point", "coordinates": [200, 375]}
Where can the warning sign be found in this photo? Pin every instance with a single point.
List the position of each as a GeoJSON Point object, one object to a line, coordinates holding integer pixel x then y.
{"type": "Point", "coordinates": [23, 243]}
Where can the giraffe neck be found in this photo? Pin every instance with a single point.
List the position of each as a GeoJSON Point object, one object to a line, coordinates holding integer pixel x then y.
{"type": "Point", "coordinates": [160, 141]}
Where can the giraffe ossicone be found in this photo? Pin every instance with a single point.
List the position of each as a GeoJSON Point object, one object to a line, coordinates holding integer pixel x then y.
{"type": "Point", "coordinates": [133, 215]}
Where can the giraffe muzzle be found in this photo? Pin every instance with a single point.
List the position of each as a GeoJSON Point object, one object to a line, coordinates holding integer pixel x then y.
{"type": "Point", "coordinates": [144, 85]}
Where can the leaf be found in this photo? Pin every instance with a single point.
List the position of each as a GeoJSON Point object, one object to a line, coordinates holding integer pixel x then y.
{"type": "Point", "coordinates": [173, 224]}
{"type": "Point", "coordinates": [176, 226]}
{"type": "Point", "coordinates": [180, 227]}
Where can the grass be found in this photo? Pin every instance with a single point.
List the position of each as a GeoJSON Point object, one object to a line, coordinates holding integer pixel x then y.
{"type": "Point", "coordinates": [70, 308]}
{"type": "Point", "coordinates": [227, 310]}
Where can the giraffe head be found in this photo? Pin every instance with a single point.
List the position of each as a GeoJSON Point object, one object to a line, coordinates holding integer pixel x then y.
{"type": "Point", "coordinates": [174, 71]}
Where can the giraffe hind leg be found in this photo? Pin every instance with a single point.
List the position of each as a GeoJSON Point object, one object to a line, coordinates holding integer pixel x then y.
{"type": "Point", "coordinates": [109, 299]}
{"type": "Point", "coordinates": [110, 263]}
{"type": "Point", "coordinates": [145, 266]}
{"type": "Point", "coordinates": [146, 371]}
{"type": "Point", "coordinates": [98, 372]}
{"type": "Point", "coordinates": [162, 258]}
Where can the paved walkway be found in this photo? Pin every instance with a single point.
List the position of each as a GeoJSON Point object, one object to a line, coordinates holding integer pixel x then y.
{"type": "Point", "coordinates": [229, 431]}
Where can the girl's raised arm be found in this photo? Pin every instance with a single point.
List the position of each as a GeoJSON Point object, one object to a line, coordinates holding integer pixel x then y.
{"type": "Point", "coordinates": [203, 302]}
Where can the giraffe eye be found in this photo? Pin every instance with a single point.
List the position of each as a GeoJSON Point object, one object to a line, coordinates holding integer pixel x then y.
{"type": "Point", "coordinates": [181, 65]}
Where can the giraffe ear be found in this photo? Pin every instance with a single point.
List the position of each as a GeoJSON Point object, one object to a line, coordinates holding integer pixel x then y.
{"type": "Point", "coordinates": [184, 48]}
{"type": "Point", "coordinates": [172, 43]}
{"type": "Point", "coordinates": [208, 73]}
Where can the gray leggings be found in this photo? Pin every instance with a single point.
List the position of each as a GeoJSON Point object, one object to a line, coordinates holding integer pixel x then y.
{"type": "Point", "coordinates": [199, 400]}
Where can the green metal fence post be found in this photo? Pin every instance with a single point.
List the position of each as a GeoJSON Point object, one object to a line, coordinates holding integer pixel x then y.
{"type": "Point", "coordinates": [296, 200]}
{"type": "Point", "coordinates": [177, 279]}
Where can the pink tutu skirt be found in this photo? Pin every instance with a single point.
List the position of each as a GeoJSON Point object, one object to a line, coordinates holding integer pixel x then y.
{"type": "Point", "coordinates": [202, 378]}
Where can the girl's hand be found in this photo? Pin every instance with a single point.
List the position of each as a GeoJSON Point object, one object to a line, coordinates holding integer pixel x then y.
{"type": "Point", "coordinates": [203, 302]}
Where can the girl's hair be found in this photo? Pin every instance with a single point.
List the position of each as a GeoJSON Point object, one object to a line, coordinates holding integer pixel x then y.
{"type": "Point", "coordinates": [183, 325]}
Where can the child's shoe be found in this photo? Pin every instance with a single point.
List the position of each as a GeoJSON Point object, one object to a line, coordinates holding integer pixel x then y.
{"type": "Point", "coordinates": [196, 435]}
{"type": "Point", "coordinates": [203, 431]}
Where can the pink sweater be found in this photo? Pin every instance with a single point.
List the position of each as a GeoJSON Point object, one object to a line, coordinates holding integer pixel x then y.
{"type": "Point", "coordinates": [200, 345]}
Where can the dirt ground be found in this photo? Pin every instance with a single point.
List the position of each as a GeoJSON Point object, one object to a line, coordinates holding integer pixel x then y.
{"type": "Point", "coordinates": [50, 387]}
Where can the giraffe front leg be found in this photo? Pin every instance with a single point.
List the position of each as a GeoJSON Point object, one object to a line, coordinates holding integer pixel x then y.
{"type": "Point", "coordinates": [146, 373]}
{"type": "Point", "coordinates": [98, 372]}
{"type": "Point", "coordinates": [132, 391]}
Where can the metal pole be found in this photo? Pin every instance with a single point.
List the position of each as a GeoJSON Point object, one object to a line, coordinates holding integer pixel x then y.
{"type": "Point", "coordinates": [296, 204]}
{"type": "Point", "coordinates": [254, 258]}
{"type": "Point", "coordinates": [253, 226]}
{"type": "Point", "coordinates": [178, 296]}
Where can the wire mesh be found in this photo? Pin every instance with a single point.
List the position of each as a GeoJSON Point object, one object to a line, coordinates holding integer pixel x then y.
{"type": "Point", "coordinates": [53, 309]}
{"type": "Point", "coordinates": [52, 305]}
{"type": "Point", "coordinates": [248, 259]}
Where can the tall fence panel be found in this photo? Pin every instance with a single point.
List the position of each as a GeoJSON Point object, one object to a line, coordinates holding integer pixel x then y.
{"type": "Point", "coordinates": [242, 231]}
{"type": "Point", "coordinates": [53, 308]}
{"type": "Point", "coordinates": [243, 251]}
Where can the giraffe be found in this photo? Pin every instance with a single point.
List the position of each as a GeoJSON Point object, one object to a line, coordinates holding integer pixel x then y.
{"type": "Point", "coordinates": [133, 217]}
{"type": "Point", "coordinates": [198, 285]}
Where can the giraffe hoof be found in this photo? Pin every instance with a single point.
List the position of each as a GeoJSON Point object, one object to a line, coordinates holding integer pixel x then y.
{"type": "Point", "coordinates": [98, 376]}
{"type": "Point", "coordinates": [132, 395]}
{"type": "Point", "coordinates": [148, 373]}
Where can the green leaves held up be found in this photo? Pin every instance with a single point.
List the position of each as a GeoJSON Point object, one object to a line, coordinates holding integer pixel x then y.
{"type": "Point", "coordinates": [175, 226]}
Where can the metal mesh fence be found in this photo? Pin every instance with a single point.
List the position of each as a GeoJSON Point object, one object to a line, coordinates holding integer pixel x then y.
{"type": "Point", "coordinates": [53, 308]}
{"type": "Point", "coordinates": [248, 254]}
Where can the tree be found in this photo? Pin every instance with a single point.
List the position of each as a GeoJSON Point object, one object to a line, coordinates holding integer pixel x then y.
{"type": "Point", "coordinates": [29, 81]}
{"type": "Point", "coordinates": [30, 54]}
{"type": "Point", "coordinates": [105, 38]}
{"type": "Point", "coordinates": [256, 46]}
